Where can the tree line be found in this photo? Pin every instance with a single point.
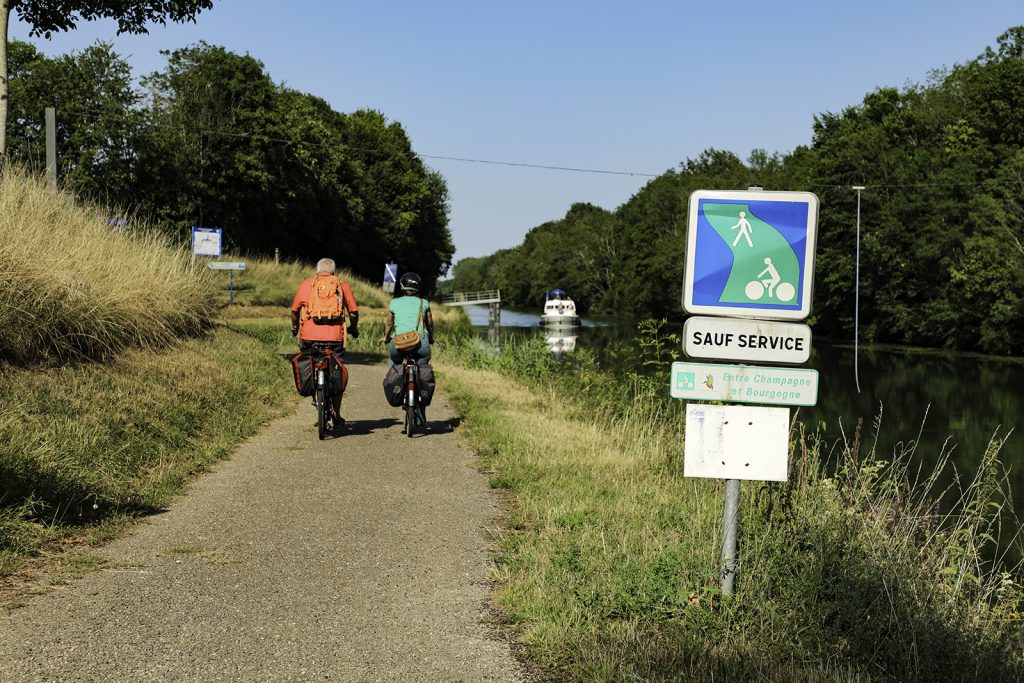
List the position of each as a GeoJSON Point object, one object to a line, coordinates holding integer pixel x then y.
{"type": "Point", "coordinates": [942, 218]}
{"type": "Point", "coordinates": [212, 140]}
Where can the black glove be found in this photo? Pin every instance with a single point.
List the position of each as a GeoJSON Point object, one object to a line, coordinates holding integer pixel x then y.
{"type": "Point", "coordinates": [295, 330]}
{"type": "Point", "coordinates": [354, 332]}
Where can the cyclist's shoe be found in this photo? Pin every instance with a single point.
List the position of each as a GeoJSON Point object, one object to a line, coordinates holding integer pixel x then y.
{"type": "Point", "coordinates": [338, 426]}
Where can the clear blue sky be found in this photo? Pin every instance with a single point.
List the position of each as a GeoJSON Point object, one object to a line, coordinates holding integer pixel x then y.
{"type": "Point", "coordinates": [619, 86]}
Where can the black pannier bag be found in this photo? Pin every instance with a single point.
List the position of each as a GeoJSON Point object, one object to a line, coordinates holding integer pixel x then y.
{"type": "Point", "coordinates": [302, 369]}
{"type": "Point", "coordinates": [426, 383]}
{"type": "Point", "coordinates": [393, 385]}
{"type": "Point", "coordinates": [305, 375]}
{"type": "Point", "coordinates": [339, 375]}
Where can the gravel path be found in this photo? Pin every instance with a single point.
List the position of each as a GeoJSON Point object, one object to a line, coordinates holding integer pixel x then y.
{"type": "Point", "coordinates": [362, 558]}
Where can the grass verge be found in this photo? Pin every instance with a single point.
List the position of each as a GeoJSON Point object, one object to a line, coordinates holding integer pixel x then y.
{"type": "Point", "coordinates": [87, 447]}
{"type": "Point", "coordinates": [609, 564]}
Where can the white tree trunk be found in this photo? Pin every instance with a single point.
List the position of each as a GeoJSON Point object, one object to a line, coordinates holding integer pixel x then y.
{"type": "Point", "coordinates": [5, 15]}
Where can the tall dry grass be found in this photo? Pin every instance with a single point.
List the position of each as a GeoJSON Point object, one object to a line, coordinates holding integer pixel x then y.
{"type": "Point", "coordinates": [73, 288]}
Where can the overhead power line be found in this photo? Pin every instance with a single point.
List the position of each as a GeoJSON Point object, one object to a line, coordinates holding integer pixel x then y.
{"type": "Point", "coordinates": [95, 117]}
{"type": "Point", "coordinates": [543, 166]}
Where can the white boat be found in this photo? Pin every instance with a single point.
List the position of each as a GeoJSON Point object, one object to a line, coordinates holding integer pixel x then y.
{"type": "Point", "coordinates": [559, 310]}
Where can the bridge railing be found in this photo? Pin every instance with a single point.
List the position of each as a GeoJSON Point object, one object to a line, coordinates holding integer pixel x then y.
{"type": "Point", "coordinates": [483, 297]}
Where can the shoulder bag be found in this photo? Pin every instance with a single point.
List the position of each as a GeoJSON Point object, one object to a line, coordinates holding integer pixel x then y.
{"type": "Point", "coordinates": [410, 341]}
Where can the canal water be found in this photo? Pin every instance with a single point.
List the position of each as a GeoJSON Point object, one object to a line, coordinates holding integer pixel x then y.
{"type": "Point", "coordinates": [935, 403]}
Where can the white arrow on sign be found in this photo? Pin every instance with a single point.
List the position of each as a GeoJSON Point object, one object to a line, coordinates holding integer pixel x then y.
{"type": "Point", "coordinates": [756, 341]}
{"type": "Point", "coordinates": [225, 265]}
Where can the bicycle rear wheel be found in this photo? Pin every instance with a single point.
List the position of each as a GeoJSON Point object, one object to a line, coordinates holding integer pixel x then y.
{"type": "Point", "coordinates": [322, 412]}
{"type": "Point", "coordinates": [410, 419]}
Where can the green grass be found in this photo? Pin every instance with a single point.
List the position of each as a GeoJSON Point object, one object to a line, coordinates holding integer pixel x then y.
{"type": "Point", "coordinates": [127, 433]}
{"type": "Point", "coordinates": [609, 562]}
{"type": "Point", "coordinates": [265, 283]}
{"type": "Point", "coordinates": [87, 444]}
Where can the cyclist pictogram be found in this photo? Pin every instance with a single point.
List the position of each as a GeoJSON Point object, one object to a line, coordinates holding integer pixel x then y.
{"type": "Point", "coordinates": [755, 288]}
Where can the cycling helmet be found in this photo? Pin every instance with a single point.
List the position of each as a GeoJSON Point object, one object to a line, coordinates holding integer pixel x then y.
{"type": "Point", "coordinates": [410, 283]}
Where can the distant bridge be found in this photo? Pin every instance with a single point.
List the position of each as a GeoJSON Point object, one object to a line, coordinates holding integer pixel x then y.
{"type": "Point", "coordinates": [490, 297]}
{"type": "Point", "coordinates": [487, 296]}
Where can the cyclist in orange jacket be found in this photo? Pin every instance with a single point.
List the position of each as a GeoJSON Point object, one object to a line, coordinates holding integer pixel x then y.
{"type": "Point", "coordinates": [334, 333]}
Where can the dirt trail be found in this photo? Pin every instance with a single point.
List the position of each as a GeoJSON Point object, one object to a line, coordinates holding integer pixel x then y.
{"type": "Point", "coordinates": [362, 558]}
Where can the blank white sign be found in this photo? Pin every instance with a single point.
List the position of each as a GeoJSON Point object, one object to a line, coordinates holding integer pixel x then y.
{"type": "Point", "coordinates": [736, 442]}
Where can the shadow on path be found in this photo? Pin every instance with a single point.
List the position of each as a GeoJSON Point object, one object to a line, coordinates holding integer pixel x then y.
{"type": "Point", "coordinates": [363, 427]}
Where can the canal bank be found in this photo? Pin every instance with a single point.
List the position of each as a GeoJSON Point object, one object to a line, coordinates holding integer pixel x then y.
{"type": "Point", "coordinates": [930, 405]}
{"type": "Point", "coordinates": [608, 563]}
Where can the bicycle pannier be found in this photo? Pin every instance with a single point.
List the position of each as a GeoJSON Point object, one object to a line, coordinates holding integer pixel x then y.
{"type": "Point", "coordinates": [325, 304]}
{"type": "Point", "coordinates": [339, 375]}
{"type": "Point", "coordinates": [302, 369]}
{"type": "Point", "coordinates": [304, 372]}
{"type": "Point", "coordinates": [426, 383]}
{"type": "Point", "coordinates": [393, 385]}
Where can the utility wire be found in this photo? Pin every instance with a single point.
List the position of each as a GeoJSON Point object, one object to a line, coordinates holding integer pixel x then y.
{"type": "Point", "coordinates": [550, 168]}
{"type": "Point", "coordinates": [96, 117]}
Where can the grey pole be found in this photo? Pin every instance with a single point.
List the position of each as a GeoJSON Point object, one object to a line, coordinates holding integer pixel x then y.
{"type": "Point", "coordinates": [277, 256]}
{"type": "Point", "coordinates": [494, 322]}
{"type": "Point", "coordinates": [51, 148]}
{"type": "Point", "coordinates": [856, 300]}
{"type": "Point", "coordinates": [730, 525]}
{"type": "Point", "coordinates": [731, 517]}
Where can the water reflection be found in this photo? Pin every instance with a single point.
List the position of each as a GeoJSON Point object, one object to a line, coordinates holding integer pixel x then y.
{"type": "Point", "coordinates": [561, 342]}
{"type": "Point", "coordinates": [943, 402]}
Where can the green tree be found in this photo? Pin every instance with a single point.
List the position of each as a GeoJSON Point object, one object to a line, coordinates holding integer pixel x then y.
{"type": "Point", "coordinates": [209, 151]}
{"type": "Point", "coordinates": [51, 16]}
{"type": "Point", "coordinates": [276, 168]}
{"type": "Point", "coordinates": [97, 124]}
{"type": "Point", "coordinates": [403, 205]}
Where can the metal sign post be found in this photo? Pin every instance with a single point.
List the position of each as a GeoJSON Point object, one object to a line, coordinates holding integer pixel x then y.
{"type": "Point", "coordinates": [51, 147]}
{"type": "Point", "coordinates": [231, 267]}
{"type": "Point", "coordinates": [730, 527]}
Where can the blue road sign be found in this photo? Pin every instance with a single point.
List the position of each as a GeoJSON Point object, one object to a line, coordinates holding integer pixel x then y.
{"type": "Point", "coordinates": [750, 254]}
{"type": "Point", "coordinates": [390, 272]}
{"type": "Point", "coordinates": [206, 241]}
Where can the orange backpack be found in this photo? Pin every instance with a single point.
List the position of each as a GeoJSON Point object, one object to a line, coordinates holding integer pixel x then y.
{"type": "Point", "coordinates": [325, 300]}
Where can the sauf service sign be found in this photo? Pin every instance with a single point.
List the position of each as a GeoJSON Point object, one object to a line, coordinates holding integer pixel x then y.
{"type": "Point", "coordinates": [750, 254]}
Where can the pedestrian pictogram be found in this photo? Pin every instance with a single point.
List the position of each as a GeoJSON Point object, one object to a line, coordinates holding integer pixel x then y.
{"type": "Point", "coordinates": [750, 253]}
{"type": "Point", "coordinates": [744, 225]}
